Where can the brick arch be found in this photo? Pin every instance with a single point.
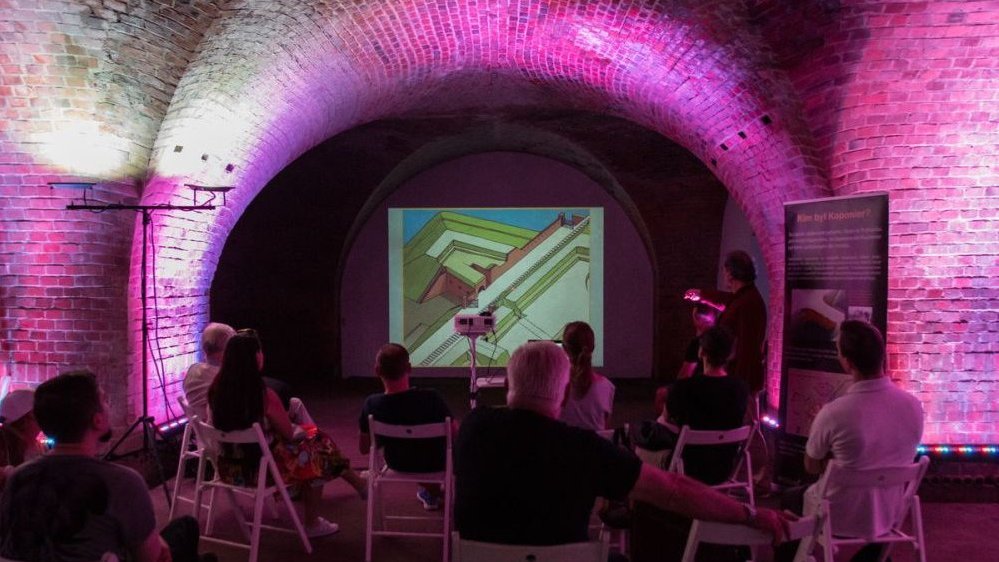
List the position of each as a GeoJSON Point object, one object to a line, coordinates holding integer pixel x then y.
{"type": "Point", "coordinates": [271, 82]}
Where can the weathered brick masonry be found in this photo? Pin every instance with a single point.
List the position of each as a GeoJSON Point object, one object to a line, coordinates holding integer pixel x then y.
{"type": "Point", "coordinates": [830, 97]}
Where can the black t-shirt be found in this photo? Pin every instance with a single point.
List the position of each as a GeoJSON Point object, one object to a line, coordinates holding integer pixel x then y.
{"type": "Point", "coordinates": [708, 403]}
{"type": "Point", "coordinates": [413, 407]}
{"type": "Point", "coordinates": [691, 356]}
{"type": "Point", "coordinates": [523, 478]}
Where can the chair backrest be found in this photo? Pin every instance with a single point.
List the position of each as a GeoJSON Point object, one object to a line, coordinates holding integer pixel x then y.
{"type": "Point", "coordinates": [212, 440]}
{"type": "Point", "coordinates": [422, 431]}
{"type": "Point", "coordinates": [475, 551]}
{"type": "Point", "coordinates": [436, 430]}
{"type": "Point", "coordinates": [739, 436]}
{"type": "Point", "coordinates": [907, 477]}
{"type": "Point", "coordinates": [189, 412]}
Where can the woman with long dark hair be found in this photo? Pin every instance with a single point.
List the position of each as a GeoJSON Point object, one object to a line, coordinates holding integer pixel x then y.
{"type": "Point", "coordinates": [590, 398]}
{"type": "Point", "coordinates": [306, 457]}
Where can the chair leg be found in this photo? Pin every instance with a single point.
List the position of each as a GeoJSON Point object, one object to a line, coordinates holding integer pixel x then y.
{"type": "Point", "coordinates": [244, 526]}
{"type": "Point", "coordinates": [199, 486]}
{"type": "Point", "coordinates": [692, 542]}
{"type": "Point", "coordinates": [295, 519]}
{"type": "Point", "coordinates": [370, 517]}
{"type": "Point", "coordinates": [917, 527]}
{"type": "Point", "coordinates": [446, 539]}
{"type": "Point", "coordinates": [258, 514]}
{"type": "Point", "coordinates": [185, 442]}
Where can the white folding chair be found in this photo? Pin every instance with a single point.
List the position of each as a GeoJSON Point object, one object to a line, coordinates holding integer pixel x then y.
{"type": "Point", "coordinates": [621, 544]}
{"type": "Point", "coordinates": [741, 477]}
{"type": "Point", "coordinates": [268, 483]}
{"type": "Point", "coordinates": [380, 474]}
{"type": "Point", "coordinates": [741, 535]}
{"type": "Point", "coordinates": [186, 453]}
{"type": "Point", "coordinates": [905, 477]}
{"type": "Point", "coordinates": [475, 551]}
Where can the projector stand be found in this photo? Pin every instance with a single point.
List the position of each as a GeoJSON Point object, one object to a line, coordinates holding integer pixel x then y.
{"type": "Point", "coordinates": [474, 383]}
{"type": "Point", "coordinates": [473, 387]}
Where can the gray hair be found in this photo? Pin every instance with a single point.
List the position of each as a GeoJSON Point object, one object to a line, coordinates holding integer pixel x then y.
{"type": "Point", "coordinates": [215, 336]}
{"type": "Point", "coordinates": [538, 373]}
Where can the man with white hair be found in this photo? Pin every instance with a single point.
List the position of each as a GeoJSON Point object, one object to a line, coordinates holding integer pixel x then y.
{"type": "Point", "coordinates": [200, 376]}
{"type": "Point", "coordinates": [523, 477]}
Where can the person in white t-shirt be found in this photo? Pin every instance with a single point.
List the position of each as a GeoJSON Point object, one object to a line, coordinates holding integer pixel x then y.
{"type": "Point", "coordinates": [874, 424]}
{"type": "Point", "coordinates": [200, 375]}
{"type": "Point", "coordinates": [590, 398]}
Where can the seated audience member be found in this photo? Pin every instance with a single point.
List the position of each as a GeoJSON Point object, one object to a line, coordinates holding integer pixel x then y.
{"type": "Point", "coordinates": [19, 432]}
{"type": "Point", "coordinates": [874, 424]}
{"type": "Point", "coordinates": [305, 457]}
{"type": "Point", "coordinates": [703, 317]}
{"type": "Point", "coordinates": [201, 375]}
{"type": "Point", "coordinates": [523, 477]}
{"type": "Point", "coordinates": [590, 398]}
{"type": "Point", "coordinates": [69, 505]}
{"type": "Point", "coordinates": [713, 400]}
{"type": "Point", "coordinates": [402, 404]}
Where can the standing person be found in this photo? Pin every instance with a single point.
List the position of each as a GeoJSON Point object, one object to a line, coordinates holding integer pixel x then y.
{"type": "Point", "coordinates": [306, 457]}
{"type": "Point", "coordinates": [70, 506]}
{"type": "Point", "coordinates": [509, 458]}
{"type": "Point", "coordinates": [744, 315]}
{"type": "Point", "coordinates": [201, 375]}
{"type": "Point", "coordinates": [402, 404]}
{"type": "Point", "coordinates": [590, 398]}
{"type": "Point", "coordinates": [874, 424]}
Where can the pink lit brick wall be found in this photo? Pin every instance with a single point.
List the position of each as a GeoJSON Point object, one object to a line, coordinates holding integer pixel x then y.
{"type": "Point", "coordinates": [896, 96]}
{"type": "Point", "coordinates": [904, 98]}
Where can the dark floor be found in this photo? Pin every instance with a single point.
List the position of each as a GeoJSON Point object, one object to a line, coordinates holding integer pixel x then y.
{"type": "Point", "coordinates": [955, 532]}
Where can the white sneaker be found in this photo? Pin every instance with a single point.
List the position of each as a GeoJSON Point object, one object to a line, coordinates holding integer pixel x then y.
{"type": "Point", "coordinates": [321, 528]}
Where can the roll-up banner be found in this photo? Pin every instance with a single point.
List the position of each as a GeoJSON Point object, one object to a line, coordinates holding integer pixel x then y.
{"type": "Point", "coordinates": [836, 268]}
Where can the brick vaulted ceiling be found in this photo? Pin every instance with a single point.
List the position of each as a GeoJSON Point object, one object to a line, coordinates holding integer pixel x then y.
{"type": "Point", "coordinates": [780, 100]}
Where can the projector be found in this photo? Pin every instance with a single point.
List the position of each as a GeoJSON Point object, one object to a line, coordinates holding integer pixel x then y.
{"type": "Point", "coordinates": [473, 324]}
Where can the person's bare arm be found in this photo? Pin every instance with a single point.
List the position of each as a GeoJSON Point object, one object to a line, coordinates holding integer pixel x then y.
{"type": "Point", "coordinates": [686, 369]}
{"type": "Point", "coordinates": [278, 416]}
{"type": "Point", "coordinates": [688, 497]}
{"type": "Point", "coordinates": [153, 549]}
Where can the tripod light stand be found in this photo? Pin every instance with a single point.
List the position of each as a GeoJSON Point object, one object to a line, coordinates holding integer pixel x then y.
{"type": "Point", "coordinates": [145, 421]}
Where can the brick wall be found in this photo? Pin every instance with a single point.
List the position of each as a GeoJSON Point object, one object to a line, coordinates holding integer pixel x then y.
{"type": "Point", "coordinates": [890, 95]}
{"type": "Point", "coordinates": [903, 97]}
{"type": "Point", "coordinates": [82, 93]}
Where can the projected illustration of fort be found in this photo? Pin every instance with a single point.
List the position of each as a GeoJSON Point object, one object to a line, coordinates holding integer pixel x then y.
{"type": "Point", "coordinates": [530, 267]}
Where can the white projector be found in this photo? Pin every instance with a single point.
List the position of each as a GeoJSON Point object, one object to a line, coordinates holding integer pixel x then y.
{"type": "Point", "coordinates": [473, 324]}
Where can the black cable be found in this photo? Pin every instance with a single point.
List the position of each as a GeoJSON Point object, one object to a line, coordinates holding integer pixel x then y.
{"type": "Point", "coordinates": [158, 356]}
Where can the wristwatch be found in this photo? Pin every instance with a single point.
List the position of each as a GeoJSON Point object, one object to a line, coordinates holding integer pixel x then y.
{"type": "Point", "coordinates": [750, 514]}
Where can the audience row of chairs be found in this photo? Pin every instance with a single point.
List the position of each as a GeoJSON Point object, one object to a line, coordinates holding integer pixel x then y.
{"type": "Point", "coordinates": [202, 442]}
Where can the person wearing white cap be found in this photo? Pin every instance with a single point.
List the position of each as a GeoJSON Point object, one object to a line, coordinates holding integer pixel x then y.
{"type": "Point", "coordinates": [19, 433]}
